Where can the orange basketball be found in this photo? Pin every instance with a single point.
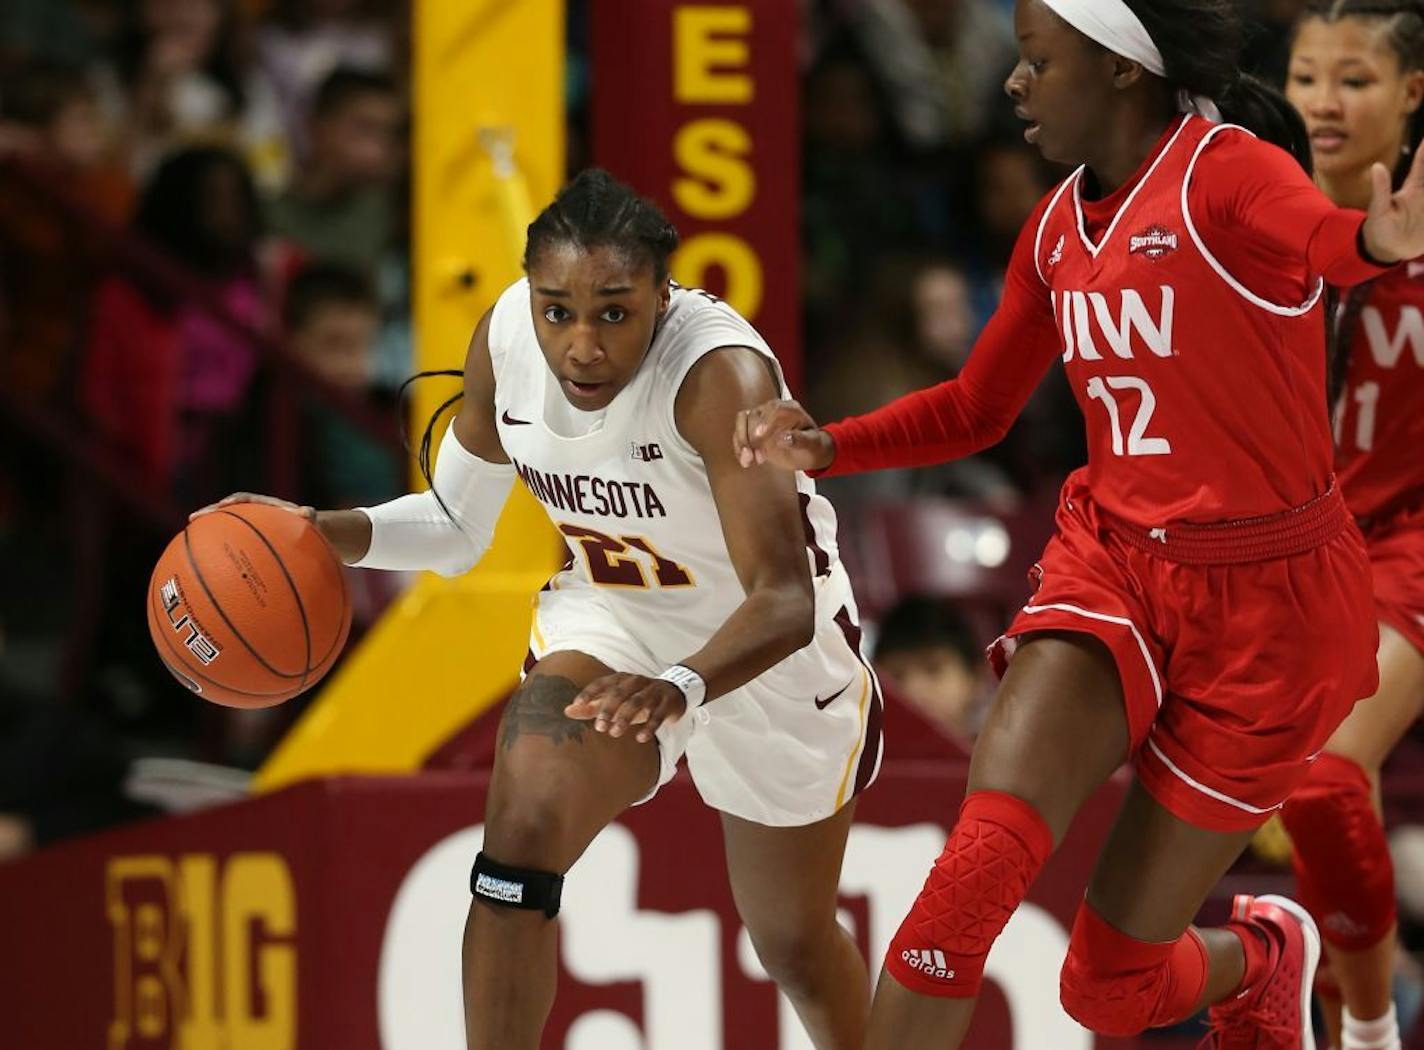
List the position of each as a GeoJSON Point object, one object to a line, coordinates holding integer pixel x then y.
{"type": "Point", "coordinates": [248, 606]}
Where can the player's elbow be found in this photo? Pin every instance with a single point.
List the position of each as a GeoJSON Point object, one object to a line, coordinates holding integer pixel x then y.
{"type": "Point", "coordinates": [460, 557]}
{"type": "Point", "coordinates": [989, 430]}
{"type": "Point", "coordinates": [796, 619]}
{"type": "Point", "coordinates": [452, 570]}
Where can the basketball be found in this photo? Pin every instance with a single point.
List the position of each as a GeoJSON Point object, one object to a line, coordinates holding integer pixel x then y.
{"type": "Point", "coordinates": [248, 606]}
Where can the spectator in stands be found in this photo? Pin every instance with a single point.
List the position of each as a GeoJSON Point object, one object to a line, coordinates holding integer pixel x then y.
{"type": "Point", "coordinates": [50, 124]}
{"type": "Point", "coordinates": [1271, 26]}
{"type": "Point", "coordinates": [170, 361]}
{"type": "Point", "coordinates": [178, 78]}
{"type": "Point", "coordinates": [916, 325]}
{"type": "Point", "coordinates": [928, 658]}
{"type": "Point", "coordinates": [395, 346]}
{"type": "Point", "coordinates": [74, 33]}
{"type": "Point", "coordinates": [61, 770]}
{"type": "Point", "coordinates": [1010, 178]}
{"type": "Point", "coordinates": [303, 41]}
{"type": "Point", "coordinates": [943, 62]}
{"type": "Point", "coordinates": [339, 207]}
{"type": "Point", "coordinates": [332, 319]}
{"type": "Point", "coordinates": [61, 774]}
{"type": "Point", "coordinates": [943, 316]}
{"type": "Point", "coordinates": [854, 201]}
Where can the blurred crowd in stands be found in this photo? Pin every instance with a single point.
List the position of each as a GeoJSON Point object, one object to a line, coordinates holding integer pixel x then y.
{"type": "Point", "coordinates": [204, 286]}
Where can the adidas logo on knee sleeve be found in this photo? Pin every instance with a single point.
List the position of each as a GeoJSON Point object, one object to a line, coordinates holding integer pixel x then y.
{"type": "Point", "coordinates": [928, 961]}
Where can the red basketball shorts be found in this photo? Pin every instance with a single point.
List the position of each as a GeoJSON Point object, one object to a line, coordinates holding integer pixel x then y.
{"type": "Point", "coordinates": [1234, 675]}
{"type": "Point", "coordinates": [1396, 550]}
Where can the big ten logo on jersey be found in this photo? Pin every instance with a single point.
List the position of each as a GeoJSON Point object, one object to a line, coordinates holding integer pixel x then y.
{"type": "Point", "coordinates": [649, 453]}
{"type": "Point", "coordinates": [205, 954]}
{"type": "Point", "coordinates": [697, 974]}
{"type": "Point", "coordinates": [1092, 321]}
{"type": "Point", "coordinates": [715, 181]}
{"type": "Point", "coordinates": [1386, 346]}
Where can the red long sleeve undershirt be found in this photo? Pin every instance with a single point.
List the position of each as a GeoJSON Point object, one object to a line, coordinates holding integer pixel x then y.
{"type": "Point", "coordinates": [1257, 212]}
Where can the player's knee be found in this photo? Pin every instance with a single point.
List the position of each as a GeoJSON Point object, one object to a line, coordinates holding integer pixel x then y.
{"type": "Point", "coordinates": [793, 952]}
{"type": "Point", "coordinates": [1103, 1002]}
{"type": "Point", "coordinates": [1344, 872]}
{"type": "Point", "coordinates": [1335, 793]}
{"type": "Point", "coordinates": [1113, 984]}
{"type": "Point", "coordinates": [527, 826]}
{"type": "Point", "coordinates": [993, 855]}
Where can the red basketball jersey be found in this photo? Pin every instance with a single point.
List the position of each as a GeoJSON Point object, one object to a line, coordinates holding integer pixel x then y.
{"type": "Point", "coordinates": [1379, 418]}
{"type": "Point", "coordinates": [1204, 400]}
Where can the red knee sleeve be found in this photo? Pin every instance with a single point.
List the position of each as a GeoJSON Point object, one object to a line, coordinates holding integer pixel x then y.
{"type": "Point", "coordinates": [992, 857]}
{"type": "Point", "coordinates": [1342, 865]}
{"type": "Point", "coordinates": [1115, 985]}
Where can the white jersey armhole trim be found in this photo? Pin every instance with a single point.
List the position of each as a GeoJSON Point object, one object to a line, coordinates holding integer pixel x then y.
{"type": "Point", "coordinates": [680, 380]}
{"type": "Point", "coordinates": [736, 331]}
{"type": "Point", "coordinates": [500, 338]}
{"type": "Point", "coordinates": [1221, 271]}
{"type": "Point", "coordinates": [1043, 223]}
{"type": "Point", "coordinates": [1094, 249]}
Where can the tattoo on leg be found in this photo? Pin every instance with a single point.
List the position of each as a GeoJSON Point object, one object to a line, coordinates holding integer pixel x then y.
{"type": "Point", "coordinates": [538, 709]}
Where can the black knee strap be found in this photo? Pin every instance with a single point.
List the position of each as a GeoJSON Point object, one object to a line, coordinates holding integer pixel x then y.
{"type": "Point", "coordinates": [516, 887]}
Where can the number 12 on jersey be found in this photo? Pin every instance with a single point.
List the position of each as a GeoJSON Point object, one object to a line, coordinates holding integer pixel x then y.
{"type": "Point", "coordinates": [1101, 388]}
{"type": "Point", "coordinates": [612, 562]}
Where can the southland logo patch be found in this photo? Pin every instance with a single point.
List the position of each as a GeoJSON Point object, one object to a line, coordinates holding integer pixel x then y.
{"type": "Point", "coordinates": [1153, 242]}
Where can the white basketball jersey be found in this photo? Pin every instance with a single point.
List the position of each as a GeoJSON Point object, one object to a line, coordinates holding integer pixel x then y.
{"type": "Point", "coordinates": [628, 493]}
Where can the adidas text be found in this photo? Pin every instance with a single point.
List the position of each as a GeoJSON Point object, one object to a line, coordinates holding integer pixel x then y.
{"type": "Point", "coordinates": [930, 962]}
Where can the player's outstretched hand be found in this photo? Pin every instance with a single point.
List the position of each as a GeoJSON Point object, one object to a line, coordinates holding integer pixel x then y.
{"type": "Point", "coordinates": [1394, 222]}
{"type": "Point", "coordinates": [617, 702]}
{"type": "Point", "coordinates": [783, 434]}
{"type": "Point", "coordinates": [252, 497]}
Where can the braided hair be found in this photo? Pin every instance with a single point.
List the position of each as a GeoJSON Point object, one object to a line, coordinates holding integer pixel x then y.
{"type": "Point", "coordinates": [598, 211]}
{"type": "Point", "coordinates": [595, 210]}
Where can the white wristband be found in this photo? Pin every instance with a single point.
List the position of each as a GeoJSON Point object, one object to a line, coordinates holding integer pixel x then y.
{"type": "Point", "coordinates": [688, 682]}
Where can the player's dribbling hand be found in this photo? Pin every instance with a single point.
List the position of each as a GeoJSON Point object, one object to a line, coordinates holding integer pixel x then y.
{"type": "Point", "coordinates": [617, 702]}
{"type": "Point", "coordinates": [783, 434]}
{"type": "Point", "coordinates": [252, 497]}
{"type": "Point", "coordinates": [1394, 222]}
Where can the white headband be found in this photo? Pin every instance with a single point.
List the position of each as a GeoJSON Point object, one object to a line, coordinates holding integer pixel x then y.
{"type": "Point", "coordinates": [1112, 24]}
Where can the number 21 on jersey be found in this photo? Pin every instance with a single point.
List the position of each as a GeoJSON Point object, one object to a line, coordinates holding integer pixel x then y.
{"type": "Point", "coordinates": [624, 561]}
{"type": "Point", "coordinates": [1137, 443]}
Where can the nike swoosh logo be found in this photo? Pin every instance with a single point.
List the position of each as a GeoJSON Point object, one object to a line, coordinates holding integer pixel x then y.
{"type": "Point", "coordinates": [821, 705]}
{"type": "Point", "coordinates": [510, 421]}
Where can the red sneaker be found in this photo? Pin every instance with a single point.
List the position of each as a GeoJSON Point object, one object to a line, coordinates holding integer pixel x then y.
{"type": "Point", "coordinates": [1274, 1013]}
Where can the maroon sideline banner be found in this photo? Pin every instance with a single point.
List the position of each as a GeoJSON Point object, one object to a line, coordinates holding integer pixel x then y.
{"type": "Point", "coordinates": [329, 917]}
{"type": "Point", "coordinates": [695, 104]}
